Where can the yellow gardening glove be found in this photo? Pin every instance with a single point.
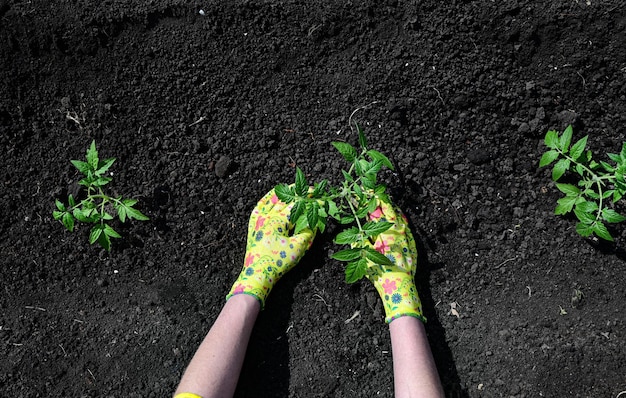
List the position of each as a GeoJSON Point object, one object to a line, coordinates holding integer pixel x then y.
{"type": "Point", "coordinates": [395, 283]}
{"type": "Point", "coordinates": [270, 251]}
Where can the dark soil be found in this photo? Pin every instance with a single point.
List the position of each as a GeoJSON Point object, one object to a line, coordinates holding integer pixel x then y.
{"type": "Point", "coordinates": [206, 113]}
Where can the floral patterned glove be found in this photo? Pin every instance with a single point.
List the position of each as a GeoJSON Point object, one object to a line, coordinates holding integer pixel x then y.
{"type": "Point", "coordinates": [270, 251]}
{"type": "Point", "coordinates": [395, 284]}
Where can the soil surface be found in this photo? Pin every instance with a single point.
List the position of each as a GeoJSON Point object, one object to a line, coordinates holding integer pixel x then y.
{"type": "Point", "coordinates": [208, 104]}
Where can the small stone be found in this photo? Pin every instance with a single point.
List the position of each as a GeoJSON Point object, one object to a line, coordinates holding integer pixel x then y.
{"type": "Point", "coordinates": [223, 166]}
{"type": "Point", "coordinates": [567, 117]}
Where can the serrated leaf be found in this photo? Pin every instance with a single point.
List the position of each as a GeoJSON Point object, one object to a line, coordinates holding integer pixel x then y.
{"type": "Point", "coordinates": [312, 214]}
{"type": "Point", "coordinates": [283, 193]}
{"type": "Point", "coordinates": [333, 210]}
{"type": "Point", "coordinates": [104, 166]}
{"type": "Point", "coordinates": [105, 242]}
{"type": "Point", "coordinates": [297, 210]}
{"type": "Point", "coordinates": [611, 216]}
{"type": "Point", "coordinates": [121, 213]}
{"type": "Point", "coordinates": [375, 155]}
{"type": "Point", "coordinates": [136, 214]}
{"type": "Point", "coordinates": [101, 181]}
{"type": "Point", "coordinates": [57, 214]}
{"type": "Point", "coordinates": [614, 157]}
{"type": "Point", "coordinates": [560, 168]}
{"type": "Point", "coordinates": [566, 139]}
{"type": "Point", "coordinates": [552, 139]}
{"type": "Point", "coordinates": [607, 194]}
{"type": "Point", "coordinates": [362, 138]}
{"type": "Point", "coordinates": [587, 207]}
{"type": "Point", "coordinates": [301, 224]}
{"type": "Point", "coordinates": [71, 200]}
{"type": "Point", "coordinates": [60, 205]}
{"type": "Point", "coordinates": [358, 167]}
{"type": "Point", "coordinates": [584, 217]}
{"type": "Point", "coordinates": [578, 148]}
{"type": "Point", "coordinates": [600, 230]}
{"type": "Point", "coordinates": [78, 214]}
{"type": "Point", "coordinates": [346, 150]}
{"type": "Point", "coordinates": [375, 228]}
{"type": "Point", "coordinates": [617, 195]}
{"type": "Point", "coordinates": [68, 221]}
{"type": "Point", "coordinates": [83, 167]}
{"type": "Point", "coordinates": [346, 220]}
{"type": "Point", "coordinates": [347, 254]}
{"type": "Point", "coordinates": [376, 257]}
{"type": "Point", "coordinates": [356, 270]}
{"type": "Point", "coordinates": [347, 236]}
{"type": "Point", "coordinates": [607, 167]}
{"type": "Point", "coordinates": [368, 181]}
{"type": "Point", "coordinates": [111, 232]}
{"type": "Point", "coordinates": [319, 189]}
{"type": "Point", "coordinates": [302, 187]}
{"type": "Point", "coordinates": [95, 233]}
{"type": "Point", "coordinates": [565, 205]}
{"type": "Point", "coordinates": [568, 189]}
{"type": "Point", "coordinates": [321, 224]}
{"type": "Point", "coordinates": [107, 216]}
{"type": "Point", "coordinates": [548, 158]}
{"type": "Point", "coordinates": [584, 230]}
{"type": "Point", "coordinates": [347, 176]}
{"type": "Point", "coordinates": [92, 156]}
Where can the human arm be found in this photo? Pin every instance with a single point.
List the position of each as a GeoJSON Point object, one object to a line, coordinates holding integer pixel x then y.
{"type": "Point", "coordinates": [215, 367]}
{"type": "Point", "coordinates": [270, 252]}
{"type": "Point", "coordinates": [415, 373]}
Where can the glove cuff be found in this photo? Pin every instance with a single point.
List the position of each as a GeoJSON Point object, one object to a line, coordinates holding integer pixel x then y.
{"type": "Point", "coordinates": [400, 297]}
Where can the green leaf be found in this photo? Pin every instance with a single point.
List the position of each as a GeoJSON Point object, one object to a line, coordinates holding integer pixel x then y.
{"type": "Point", "coordinates": [616, 158]}
{"type": "Point", "coordinates": [362, 138]}
{"type": "Point", "coordinates": [105, 242]}
{"type": "Point", "coordinates": [347, 254]}
{"type": "Point", "coordinates": [104, 166]}
{"type": "Point", "coordinates": [548, 158]}
{"type": "Point", "coordinates": [552, 139]}
{"type": "Point", "coordinates": [622, 153]}
{"type": "Point", "coordinates": [356, 270]}
{"type": "Point", "coordinates": [607, 167]}
{"type": "Point", "coordinates": [617, 195]}
{"type": "Point", "coordinates": [312, 214]}
{"type": "Point", "coordinates": [57, 214]}
{"type": "Point", "coordinates": [283, 193]}
{"type": "Point", "coordinates": [92, 156]}
{"type": "Point", "coordinates": [584, 217]}
{"type": "Point", "coordinates": [587, 207]}
{"type": "Point", "coordinates": [375, 228]}
{"type": "Point", "coordinates": [577, 149]}
{"type": "Point", "coordinates": [83, 167]}
{"type": "Point", "coordinates": [568, 189]}
{"type": "Point", "coordinates": [297, 210]}
{"type": "Point", "coordinates": [95, 233]}
{"type": "Point", "coordinates": [384, 160]}
{"type": "Point", "coordinates": [319, 189]}
{"type": "Point", "coordinates": [71, 201]}
{"type": "Point", "coordinates": [59, 205]}
{"type": "Point", "coordinates": [566, 139]}
{"type": "Point", "coordinates": [301, 224]}
{"type": "Point", "coordinates": [347, 176]}
{"type": "Point", "coordinates": [565, 205]}
{"type": "Point", "coordinates": [584, 230]}
{"type": "Point", "coordinates": [346, 220]}
{"type": "Point", "coordinates": [111, 232]}
{"type": "Point", "coordinates": [376, 257]}
{"type": "Point", "coordinates": [101, 181]}
{"type": "Point", "coordinates": [80, 216]}
{"type": "Point", "coordinates": [560, 168]}
{"type": "Point", "coordinates": [358, 167]}
{"type": "Point", "coordinates": [346, 150]}
{"type": "Point", "coordinates": [333, 210]}
{"type": "Point", "coordinates": [129, 202]}
{"type": "Point", "coordinates": [600, 230]}
{"type": "Point", "coordinates": [611, 216]}
{"type": "Point", "coordinates": [321, 224]}
{"type": "Point", "coordinates": [121, 213]}
{"type": "Point", "coordinates": [347, 236]}
{"type": "Point", "coordinates": [68, 221]}
{"type": "Point", "coordinates": [136, 214]}
{"type": "Point", "coordinates": [302, 187]}
{"type": "Point", "coordinates": [369, 181]}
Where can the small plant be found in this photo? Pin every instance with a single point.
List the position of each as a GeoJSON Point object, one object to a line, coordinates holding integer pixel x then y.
{"type": "Point", "coordinates": [349, 204]}
{"type": "Point", "coordinates": [95, 208]}
{"type": "Point", "coordinates": [599, 182]}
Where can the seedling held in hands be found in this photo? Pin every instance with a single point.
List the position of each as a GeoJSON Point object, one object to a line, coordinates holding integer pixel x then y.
{"type": "Point", "coordinates": [95, 208]}
{"type": "Point", "coordinates": [600, 182]}
{"type": "Point", "coordinates": [349, 204]}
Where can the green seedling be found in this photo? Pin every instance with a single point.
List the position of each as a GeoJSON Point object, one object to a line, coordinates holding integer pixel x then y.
{"type": "Point", "coordinates": [97, 207]}
{"type": "Point", "coordinates": [349, 204]}
{"type": "Point", "coordinates": [599, 183]}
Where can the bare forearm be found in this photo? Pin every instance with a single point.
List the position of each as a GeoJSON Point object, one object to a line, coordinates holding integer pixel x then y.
{"type": "Point", "coordinates": [215, 367]}
{"type": "Point", "coordinates": [415, 373]}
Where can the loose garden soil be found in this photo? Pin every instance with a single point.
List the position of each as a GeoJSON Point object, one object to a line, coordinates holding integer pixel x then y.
{"type": "Point", "coordinates": [208, 104]}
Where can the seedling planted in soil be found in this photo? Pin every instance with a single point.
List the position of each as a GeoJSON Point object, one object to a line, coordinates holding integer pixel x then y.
{"type": "Point", "coordinates": [599, 182]}
{"type": "Point", "coordinates": [96, 207]}
{"type": "Point", "coordinates": [349, 204]}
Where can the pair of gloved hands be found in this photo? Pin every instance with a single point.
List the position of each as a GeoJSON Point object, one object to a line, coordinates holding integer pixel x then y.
{"type": "Point", "coordinates": [271, 252]}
